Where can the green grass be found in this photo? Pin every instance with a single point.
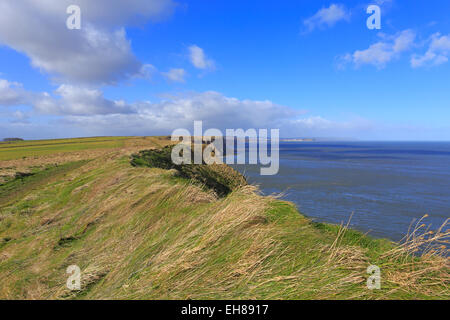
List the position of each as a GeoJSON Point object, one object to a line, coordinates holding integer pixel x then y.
{"type": "Point", "coordinates": [141, 232]}
{"type": "Point", "coordinates": [222, 179]}
{"type": "Point", "coordinates": [22, 184]}
{"type": "Point", "coordinates": [36, 148]}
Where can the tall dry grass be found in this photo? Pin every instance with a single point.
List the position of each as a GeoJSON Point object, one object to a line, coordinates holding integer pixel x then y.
{"type": "Point", "coordinates": [416, 266]}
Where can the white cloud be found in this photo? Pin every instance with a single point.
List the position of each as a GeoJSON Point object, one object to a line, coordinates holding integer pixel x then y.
{"type": "Point", "coordinates": [67, 100]}
{"type": "Point", "coordinates": [199, 60]}
{"type": "Point", "coordinates": [85, 111]}
{"type": "Point", "coordinates": [216, 111]}
{"type": "Point", "coordinates": [404, 41]}
{"type": "Point", "coordinates": [84, 101]}
{"type": "Point", "coordinates": [327, 17]}
{"type": "Point", "coordinates": [437, 53]}
{"type": "Point", "coordinates": [11, 93]}
{"type": "Point", "coordinates": [20, 117]}
{"type": "Point", "coordinates": [381, 53]}
{"type": "Point", "coordinates": [99, 53]}
{"type": "Point", "coordinates": [119, 12]}
{"type": "Point", "coordinates": [377, 54]}
{"type": "Point", "coordinates": [175, 75]}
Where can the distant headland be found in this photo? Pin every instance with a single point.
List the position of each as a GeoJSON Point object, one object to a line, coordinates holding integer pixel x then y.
{"type": "Point", "coordinates": [298, 140]}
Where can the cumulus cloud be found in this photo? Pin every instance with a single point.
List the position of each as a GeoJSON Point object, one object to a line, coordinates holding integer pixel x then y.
{"type": "Point", "coordinates": [66, 100]}
{"type": "Point", "coordinates": [327, 17]}
{"type": "Point", "coordinates": [175, 75]}
{"type": "Point", "coordinates": [73, 100]}
{"type": "Point", "coordinates": [216, 111]}
{"type": "Point", "coordinates": [199, 60]}
{"type": "Point", "coordinates": [99, 53]}
{"type": "Point", "coordinates": [437, 53]}
{"type": "Point", "coordinates": [381, 53]}
{"type": "Point", "coordinates": [85, 111]}
{"type": "Point", "coordinates": [119, 12]}
{"type": "Point", "coordinates": [213, 108]}
{"type": "Point", "coordinates": [11, 93]}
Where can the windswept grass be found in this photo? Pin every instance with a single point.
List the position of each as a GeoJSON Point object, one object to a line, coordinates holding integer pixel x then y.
{"type": "Point", "coordinates": [148, 233]}
{"type": "Point", "coordinates": [25, 182]}
{"type": "Point", "coordinates": [220, 178]}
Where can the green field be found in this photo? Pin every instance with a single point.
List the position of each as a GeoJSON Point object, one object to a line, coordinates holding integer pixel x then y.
{"type": "Point", "coordinates": [139, 231]}
{"type": "Point", "coordinates": [36, 148]}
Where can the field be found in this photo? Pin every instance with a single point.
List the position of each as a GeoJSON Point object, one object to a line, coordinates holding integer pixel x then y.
{"type": "Point", "coordinates": [142, 232]}
{"type": "Point", "coordinates": [27, 149]}
{"type": "Point", "coordinates": [27, 156]}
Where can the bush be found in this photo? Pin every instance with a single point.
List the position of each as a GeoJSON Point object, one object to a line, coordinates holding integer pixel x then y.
{"type": "Point", "coordinates": [219, 177]}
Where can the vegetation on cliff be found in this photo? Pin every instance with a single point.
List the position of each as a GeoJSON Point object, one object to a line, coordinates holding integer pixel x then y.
{"type": "Point", "coordinates": [220, 178]}
{"type": "Point", "coordinates": [146, 231]}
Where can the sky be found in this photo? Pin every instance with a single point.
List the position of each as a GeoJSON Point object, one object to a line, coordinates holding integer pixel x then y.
{"type": "Point", "coordinates": [310, 68]}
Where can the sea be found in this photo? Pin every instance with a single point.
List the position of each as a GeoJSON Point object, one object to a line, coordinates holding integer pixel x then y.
{"type": "Point", "coordinates": [384, 187]}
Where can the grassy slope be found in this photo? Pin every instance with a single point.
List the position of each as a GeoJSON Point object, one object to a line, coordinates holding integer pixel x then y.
{"type": "Point", "coordinates": [144, 233]}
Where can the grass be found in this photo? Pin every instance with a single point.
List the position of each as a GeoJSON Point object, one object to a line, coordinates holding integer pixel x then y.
{"type": "Point", "coordinates": [24, 183]}
{"type": "Point", "coordinates": [219, 178]}
{"type": "Point", "coordinates": [143, 232]}
{"type": "Point", "coordinates": [36, 148]}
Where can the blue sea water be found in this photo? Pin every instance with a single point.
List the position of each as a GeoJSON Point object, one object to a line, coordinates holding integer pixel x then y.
{"type": "Point", "coordinates": [386, 185]}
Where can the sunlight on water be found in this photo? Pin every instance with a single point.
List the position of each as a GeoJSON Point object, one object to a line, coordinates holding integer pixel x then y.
{"type": "Point", "coordinates": [385, 184]}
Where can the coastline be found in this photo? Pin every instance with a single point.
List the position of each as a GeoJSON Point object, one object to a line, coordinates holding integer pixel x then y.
{"type": "Point", "coordinates": [142, 232]}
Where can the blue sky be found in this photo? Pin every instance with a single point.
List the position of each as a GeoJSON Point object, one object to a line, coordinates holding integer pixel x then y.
{"type": "Point", "coordinates": [311, 68]}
